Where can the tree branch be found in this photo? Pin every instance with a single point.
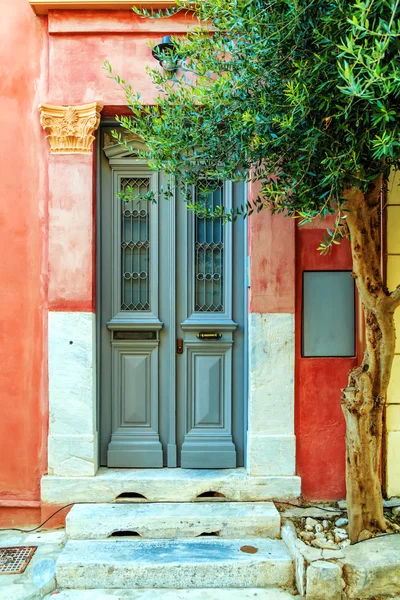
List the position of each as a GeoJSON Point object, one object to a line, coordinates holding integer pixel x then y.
{"type": "Point", "coordinates": [394, 298]}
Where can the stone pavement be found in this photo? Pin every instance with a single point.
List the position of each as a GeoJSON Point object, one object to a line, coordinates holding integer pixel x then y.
{"type": "Point", "coordinates": [38, 578]}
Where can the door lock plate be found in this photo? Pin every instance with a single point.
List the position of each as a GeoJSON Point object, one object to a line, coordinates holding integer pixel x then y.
{"type": "Point", "coordinates": [179, 346]}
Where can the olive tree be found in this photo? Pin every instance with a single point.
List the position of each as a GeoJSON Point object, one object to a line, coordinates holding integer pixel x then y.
{"type": "Point", "coordinates": [304, 98]}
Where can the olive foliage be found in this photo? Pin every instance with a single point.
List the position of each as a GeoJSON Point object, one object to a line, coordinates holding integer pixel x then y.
{"type": "Point", "coordinates": [302, 96]}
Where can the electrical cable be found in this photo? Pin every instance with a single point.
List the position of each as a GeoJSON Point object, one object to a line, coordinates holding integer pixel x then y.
{"type": "Point", "coordinates": [44, 522]}
{"type": "Point", "coordinates": [336, 510]}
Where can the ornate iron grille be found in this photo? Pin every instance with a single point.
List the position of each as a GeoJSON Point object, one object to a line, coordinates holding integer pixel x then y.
{"type": "Point", "coordinates": [209, 259]}
{"type": "Point", "coordinates": [15, 559]}
{"type": "Point", "coordinates": [135, 245]}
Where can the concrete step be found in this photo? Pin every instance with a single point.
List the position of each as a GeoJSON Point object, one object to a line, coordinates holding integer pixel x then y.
{"type": "Point", "coordinates": [173, 520]}
{"type": "Point", "coordinates": [201, 563]}
{"type": "Point", "coordinates": [192, 594]}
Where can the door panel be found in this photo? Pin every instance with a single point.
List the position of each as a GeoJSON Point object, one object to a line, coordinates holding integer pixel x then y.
{"type": "Point", "coordinates": [135, 441]}
{"type": "Point", "coordinates": [208, 398]}
{"type": "Point", "coordinates": [166, 274]}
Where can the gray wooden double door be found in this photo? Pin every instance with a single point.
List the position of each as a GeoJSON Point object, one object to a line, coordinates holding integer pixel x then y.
{"type": "Point", "coordinates": [171, 328]}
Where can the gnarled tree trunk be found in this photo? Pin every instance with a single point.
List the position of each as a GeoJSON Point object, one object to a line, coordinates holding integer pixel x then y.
{"type": "Point", "coordinates": [363, 399]}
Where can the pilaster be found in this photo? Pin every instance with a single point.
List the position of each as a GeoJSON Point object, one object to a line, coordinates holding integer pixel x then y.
{"type": "Point", "coordinates": [71, 325]}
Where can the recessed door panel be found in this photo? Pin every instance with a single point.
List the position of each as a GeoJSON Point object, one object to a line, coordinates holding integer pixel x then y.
{"type": "Point", "coordinates": [135, 376]}
{"type": "Point", "coordinates": [205, 375]}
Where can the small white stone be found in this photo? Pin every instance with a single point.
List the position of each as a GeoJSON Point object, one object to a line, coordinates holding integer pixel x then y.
{"type": "Point", "coordinates": [318, 528]}
{"type": "Point", "coordinates": [311, 523]}
{"type": "Point", "coordinates": [365, 535]}
{"type": "Point", "coordinates": [320, 535]}
{"type": "Point", "coordinates": [307, 536]}
{"type": "Point", "coordinates": [396, 511]}
{"type": "Point", "coordinates": [342, 522]}
{"type": "Point", "coordinates": [340, 535]}
{"type": "Point", "coordinates": [338, 539]}
{"type": "Point", "coordinates": [325, 524]}
{"type": "Point", "coordinates": [340, 531]}
{"type": "Point", "coordinates": [344, 544]}
{"type": "Point", "coordinates": [324, 544]}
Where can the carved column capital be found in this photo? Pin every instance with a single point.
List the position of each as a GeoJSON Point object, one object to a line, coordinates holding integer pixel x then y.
{"type": "Point", "coordinates": [70, 128]}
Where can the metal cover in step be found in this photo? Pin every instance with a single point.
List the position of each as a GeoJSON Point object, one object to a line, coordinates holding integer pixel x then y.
{"type": "Point", "coordinates": [15, 559]}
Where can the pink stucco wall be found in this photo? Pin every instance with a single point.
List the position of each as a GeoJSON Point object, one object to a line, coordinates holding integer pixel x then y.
{"type": "Point", "coordinates": [23, 264]}
{"type": "Point", "coordinates": [71, 233]}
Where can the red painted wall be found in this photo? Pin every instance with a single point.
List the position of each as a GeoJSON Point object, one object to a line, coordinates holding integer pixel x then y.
{"type": "Point", "coordinates": [23, 265]}
{"type": "Point", "coordinates": [280, 252]}
{"type": "Point", "coordinates": [320, 426]}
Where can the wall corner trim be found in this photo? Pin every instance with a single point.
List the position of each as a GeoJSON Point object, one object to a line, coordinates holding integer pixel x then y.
{"type": "Point", "coordinates": [70, 128]}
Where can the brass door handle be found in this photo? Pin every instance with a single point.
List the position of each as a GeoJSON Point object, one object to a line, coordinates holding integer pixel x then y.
{"type": "Point", "coordinates": [209, 335]}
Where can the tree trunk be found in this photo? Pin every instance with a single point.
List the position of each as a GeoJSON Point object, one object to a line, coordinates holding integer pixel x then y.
{"type": "Point", "coordinates": [363, 399]}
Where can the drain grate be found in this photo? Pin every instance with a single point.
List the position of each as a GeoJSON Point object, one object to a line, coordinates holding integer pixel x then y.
{"type": "Point", "coordinates": [15, 559]}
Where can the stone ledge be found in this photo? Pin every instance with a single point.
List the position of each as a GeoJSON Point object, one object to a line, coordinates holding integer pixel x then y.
{"type": "Point", "coordinates": [304, 555]}
{"type": "Point", "coordinates": [370, 568]}
{"type": "Point", "coordinates": [168, 485]}
{"type": "Point", "coordinates": [173, 520]}
{"type": "Point", "coordinates": [42, 7]}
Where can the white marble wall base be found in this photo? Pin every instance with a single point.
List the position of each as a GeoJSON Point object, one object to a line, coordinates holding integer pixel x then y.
{"type": "Point", "coordinates": [73, 447]}
{"type": "Point", "coordinates": [73, 455]}
{"type": "Point", "coordinates": [271, 445]}
{"type": "Point", "coordinates": [271, 455]}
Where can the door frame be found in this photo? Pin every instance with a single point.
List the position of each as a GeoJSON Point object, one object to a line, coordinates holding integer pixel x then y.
{"type": "Point", "coordinates": [110, 122]}
{"type": "Point", "coordinates": [73, 448]}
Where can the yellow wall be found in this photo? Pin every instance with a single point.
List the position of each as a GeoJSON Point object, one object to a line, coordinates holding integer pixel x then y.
{"type": "Point", "coordinates": [393, 280]}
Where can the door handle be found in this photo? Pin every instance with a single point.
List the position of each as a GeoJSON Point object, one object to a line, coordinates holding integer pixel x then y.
{"type": "Point", "coordinates": [179, 346]}
{"type": "Point", "coordinates": [209, 335]}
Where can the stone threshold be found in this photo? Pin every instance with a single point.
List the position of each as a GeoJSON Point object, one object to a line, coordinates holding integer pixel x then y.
{"type": "Point", "coordinates": [168, 485]}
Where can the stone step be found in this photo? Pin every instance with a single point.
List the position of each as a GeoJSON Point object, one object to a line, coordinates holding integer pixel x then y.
{"type": "Point", "coordinates": [201, 563]}
{"type": "Point", "coordinates": [173, 520]}
{"type": "Point", "coordinates": [191, 594]}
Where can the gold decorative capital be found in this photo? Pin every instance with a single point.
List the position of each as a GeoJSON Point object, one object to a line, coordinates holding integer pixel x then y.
{"type": "Point", "coordinates": [70, 128]}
